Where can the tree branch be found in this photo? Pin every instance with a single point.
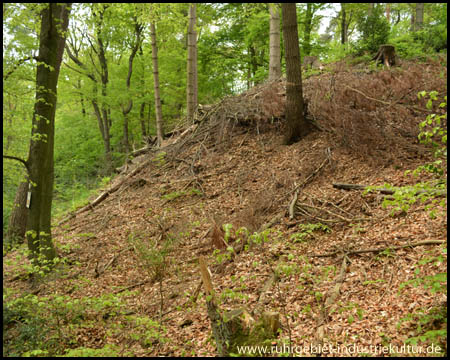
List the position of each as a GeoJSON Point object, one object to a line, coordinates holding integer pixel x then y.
{"type": "Point", "coordinates": [20, 62]}
{"type": "Point", "coordinates": [25, 163]}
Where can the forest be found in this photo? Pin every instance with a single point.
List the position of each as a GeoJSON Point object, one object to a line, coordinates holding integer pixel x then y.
{"type": "Point", "coordinates": [224, 179]}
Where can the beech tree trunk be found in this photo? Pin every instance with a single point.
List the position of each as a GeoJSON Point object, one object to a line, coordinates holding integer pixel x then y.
{"type": "Point", "coordinates": [18, 220]}
{"type": "Point", "coordinates": [274, 46]}
{"type": "Point", "coordinates": [308, 29]}
{"type": "Point", "coordinates": [344, 24]}
{"type": "Point", "coordinates": [192, 100]}
{"type": "Point", "coordinates": [55, 19]}
{"type": "Point", "coordinates": [296, 125]}
{"type": "Point", "coordinates": [158, 108]}
{"type": "Point", "coordinates": [126, 109]}
{"type": "Point", "coordinates": [418, 21]}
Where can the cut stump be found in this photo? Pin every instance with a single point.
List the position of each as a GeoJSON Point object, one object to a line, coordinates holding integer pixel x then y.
{"type": "Point", "coordinates": [236, 328]}
{"type": "Point", "coordinates": [385, 55]}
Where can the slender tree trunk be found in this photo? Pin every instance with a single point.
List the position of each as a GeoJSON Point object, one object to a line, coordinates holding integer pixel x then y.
{"type": "Point", "coordinates": [126, 109]}
{"type": "Point", "coordinates": [18, 220]}
{"type": "Point", "coordinates": [142, 121]}
{"type": "Point", "coordinates": [159, 119]}
{"type": "Point", "coordinates": [308, 29]}
{"type": "Point", "coordinates": [192, 100]}
{"type": "Point", "coordinates": [388, 13]}
{"type": "Point", "coordinates": [253, 62]}
{"type": "Point", "coordinates": [296, 125]}
{"type": "Point", "coordinates": [274, 47]}
{"type": "Point", "coordinates": [344, 25]}
{"type": "Point", "coordinates": [55, 19]}
{"type": "Point", "coordinates": [418, 23]}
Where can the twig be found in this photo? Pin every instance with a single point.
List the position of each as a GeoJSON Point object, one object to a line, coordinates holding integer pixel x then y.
{"type": "Point", "coordinates": [367, 97]}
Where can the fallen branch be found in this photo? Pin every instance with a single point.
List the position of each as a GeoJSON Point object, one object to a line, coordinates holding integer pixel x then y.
{"type": "Point", "coordinates": [420, 243]}
{"type": "Point", "coordinates": [385, 191]}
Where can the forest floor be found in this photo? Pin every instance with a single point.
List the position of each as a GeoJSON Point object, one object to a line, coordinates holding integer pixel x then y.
{"type": "Point", "coordinates": [180, 201]}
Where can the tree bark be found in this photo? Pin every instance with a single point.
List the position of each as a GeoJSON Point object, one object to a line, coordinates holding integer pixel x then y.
{"type": "Point", "coordinates": [388, 13]}
{"type": "Point", "coordinates": [418, 22]}
{"type": "Point", "coordinates": [55, 19]}
{"type": "Point", "coordinates": [18, 220]}
{"type": "Point", "coordinates": [308, 28]}
{"type": "Point", "coordinates": [296, 125]}
{"type": "Point", "coordinates": [344, 25]}
{"type": "Point", "coordinates": [159, 119]}
{"type": "Point", "coordinates": [192, 100]}
{"type": "Point", "coordinates": [126, 109]}
{"type": "Point", "coordinates": [274, 46]}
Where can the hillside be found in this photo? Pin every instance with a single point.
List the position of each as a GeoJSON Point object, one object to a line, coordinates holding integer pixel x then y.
{"type": "Point", "coordinates": [231, 169]}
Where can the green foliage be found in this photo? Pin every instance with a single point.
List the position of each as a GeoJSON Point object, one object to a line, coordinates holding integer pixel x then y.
{"type": "Point", "coordinates": [47, 325]}
{"type": "Point", "coordinates": [431, 324]}
{"type": "Point", "coordinates": [307, 232]}
{"type": "Point", "coordinates": [152, 256]}
{"type": "Point", "coordinates": [176, 194]}
{"type": "Point", "coordinates": [148, 331]}
{"type": "Point", "coordinates": [108, 350]}
{"type": "Point", "coordinates": [374, 30]}
{"type": "Point", "coordinates": [434, 133]}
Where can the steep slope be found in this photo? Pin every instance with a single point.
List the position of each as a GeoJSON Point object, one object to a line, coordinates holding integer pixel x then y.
{"type": "Point", "coordinates": [230, 169]}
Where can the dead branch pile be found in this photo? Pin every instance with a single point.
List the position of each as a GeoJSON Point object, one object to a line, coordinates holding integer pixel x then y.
{"type": "Point", "coordinates": [254, 108]}
{"type": "Point", "coordinates": [374, 111]}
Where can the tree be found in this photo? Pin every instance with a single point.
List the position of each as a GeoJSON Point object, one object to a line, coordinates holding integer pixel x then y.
{"type": "Point", "coordinates": [192, 95]}
{"type": "Point", "coordinates": [418, 18]}
{"type": "Point", "coordinates": [54, 23]}
{"type": "Point", "coordinates": [344, 25]}
{"type": "Point", "coordinates": [159, 119]}
{"type": "Point", "coordinates": [127, 108]}
{"type": "Point", "coordinates": [97, 50]}
{"type": "Point", "coordinates": [274, 43]}
{"type": "Point", "coordinates": [18, 220]}
{"type": "Point", "coordinates": [308, 28]}
{"type": "Point", "coordinates": [296, 125]}
{"type": "Point", "coordinates": [374, 29]}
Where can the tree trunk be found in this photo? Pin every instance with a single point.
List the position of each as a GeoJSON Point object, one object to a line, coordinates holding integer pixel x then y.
{"type": "Point", "coordinates": [418, 23]}
{"type": "Point", "coordinates": [344, 25]}
{"type": "Point", "coordinates": [388, 13]}
{"type": "Point", "coordinates": [192, 65]}
{"type": "Point", "coordinates": [18, 220]}
{"type": "Point", "coordinates": [308, 28]}
{"type": "Point", "coordinates": [385, 55]}
{"type": "Point", "coordinates": [296, 125]}
{"type": "Point", "coordinates": [274, 47]}
{"type": "Point", "coordinates": [159, 119]}
{"type": "Point", "coordinates": [126, 110]}
{"type": "Point", "coordinates": [55, 19]}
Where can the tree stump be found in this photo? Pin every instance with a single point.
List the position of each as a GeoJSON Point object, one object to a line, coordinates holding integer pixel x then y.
{"type": "Point", "coordinates": [235, 329]}
{"type": "Point", "coordinates": [385, 55]}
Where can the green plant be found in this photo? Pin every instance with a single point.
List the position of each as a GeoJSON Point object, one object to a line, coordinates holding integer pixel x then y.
{"type": "Point", "coordinates": [307, 232]}
{"type": "Point", "coordinates": [433, 133]}
{"type": "Point", "coordinates": [47, 325]}
{"type": "Point", "coordinates": [160, 158]}
{"type": "Point", "coordinates": [374, 30]}
{"type": "Point", "coordinates": [108, 350]}
{"type": "Point", "coordinates": [431, 324]}
{"type": "Point", "coordinates": [148, 332]}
